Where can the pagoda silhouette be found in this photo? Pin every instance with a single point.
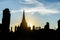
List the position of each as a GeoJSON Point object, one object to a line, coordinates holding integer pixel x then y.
{"type": "Point", "coordinates": [23, 26]}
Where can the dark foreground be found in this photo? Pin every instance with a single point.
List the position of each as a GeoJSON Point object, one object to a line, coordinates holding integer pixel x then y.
{"type": "Point", "coordinates": [32, 35]}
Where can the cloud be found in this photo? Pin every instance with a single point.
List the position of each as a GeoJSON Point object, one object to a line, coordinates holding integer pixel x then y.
{"type": "Point", "coordinates": [55, 5]}
{"type": "Point", "coordinates": [50, 0]}
{"type": "Point", "coordinates": [40, 8]}
{"type": "Point", "coordinates": [14, 11]}
{"type": "Point", "coordinates": [26, 1]}
{"type": "Point", "coordinates": [0, 21]}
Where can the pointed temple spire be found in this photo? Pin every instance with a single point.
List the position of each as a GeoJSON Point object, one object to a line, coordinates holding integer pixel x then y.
{"type": "Point", "coordinates": [23, 25]}
{"type": "Point", "coordinates": [23, 15]}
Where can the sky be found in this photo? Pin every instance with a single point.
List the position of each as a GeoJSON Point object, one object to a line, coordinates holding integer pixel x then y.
{"type": "Point", "coordinates": [37, 12]}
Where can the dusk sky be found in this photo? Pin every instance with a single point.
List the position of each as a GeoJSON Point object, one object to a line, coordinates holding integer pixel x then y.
{"type": "Point", "coordinates": [37, 12]}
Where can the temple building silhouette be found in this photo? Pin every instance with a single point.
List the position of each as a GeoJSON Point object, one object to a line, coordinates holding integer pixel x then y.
{"type": "Point", "coordinates": [58, 25]}
{"type": "Point", "coordinates": [0, 27]}
{"type": "Point", "coordinates": [4, 27]}
{"type": "Point", "coordinates": [23, 26]}
{"type": "Point", "coordinates": [46, 26]}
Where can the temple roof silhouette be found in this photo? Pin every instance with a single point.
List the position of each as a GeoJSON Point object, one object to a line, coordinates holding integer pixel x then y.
{"type": "Point", "coordinates": [23, 25]}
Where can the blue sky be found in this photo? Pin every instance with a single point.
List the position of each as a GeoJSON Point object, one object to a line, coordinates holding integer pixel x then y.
{"type": "Point", "coordinates": [38, 12]}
